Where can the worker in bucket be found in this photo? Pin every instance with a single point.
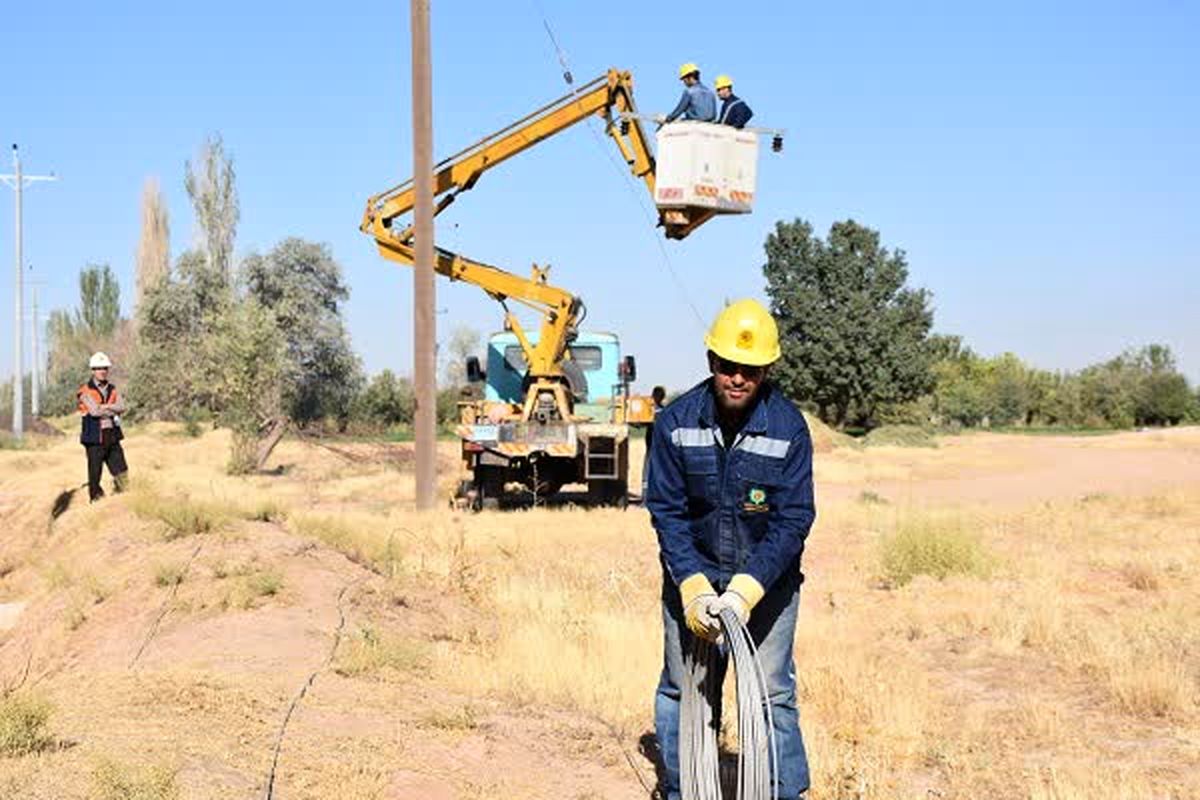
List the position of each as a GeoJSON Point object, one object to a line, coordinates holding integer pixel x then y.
{"type": "Point", "coordinates": [734, 111]}
{"type": "Point", "coordinates": [730, 494]}
{"type": "Point", "coordinates": [100, 407]}
{"type": "Point", "coordinates": [698, 101]}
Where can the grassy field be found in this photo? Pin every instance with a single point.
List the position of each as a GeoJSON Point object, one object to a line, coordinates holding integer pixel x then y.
{"type": "Point", "coordinates": [989, 617]}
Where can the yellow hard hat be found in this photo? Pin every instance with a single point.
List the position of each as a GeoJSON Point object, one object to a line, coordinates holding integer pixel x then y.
{"type": "Point", "coordinates": [687, 69]}
{"type": "Point", "coordinates": [723, 82]}
{"type": "Point", "coordinates": [744, 333]}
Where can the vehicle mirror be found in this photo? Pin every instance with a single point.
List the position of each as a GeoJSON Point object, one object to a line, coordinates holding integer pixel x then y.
{"type": "Point", "coordinates": [629, 369]}
{"type": "Point", "coordinates": [475, 373]}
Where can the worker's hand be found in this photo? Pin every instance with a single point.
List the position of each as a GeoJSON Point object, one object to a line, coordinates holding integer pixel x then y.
{"type": "Point", "coordinates": [700, 607]}
{"type": "Point", "coordinates": [701, 617]}
{"type": "Point", "coordinates": [737, 604]}
{"type": "Point", "coordinates": [742, 596]}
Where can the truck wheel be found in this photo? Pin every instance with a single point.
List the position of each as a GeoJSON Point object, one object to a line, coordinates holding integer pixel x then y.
{"type": "Point", "coordinates": [614, 494]}
{"type": "Point", "coordinates": [488, 487]}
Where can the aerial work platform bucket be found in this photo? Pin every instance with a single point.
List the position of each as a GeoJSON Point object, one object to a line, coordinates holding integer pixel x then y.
{"type": "Point", "coordinates": [705, 165]}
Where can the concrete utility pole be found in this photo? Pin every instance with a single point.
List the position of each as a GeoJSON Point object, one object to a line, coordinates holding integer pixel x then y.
{"type": "Point", "coordinates": [424, 323]}
{"type": "Point", "coordinates": [35, 372]}
{"type": "Point", "coordinates": [17, 181]}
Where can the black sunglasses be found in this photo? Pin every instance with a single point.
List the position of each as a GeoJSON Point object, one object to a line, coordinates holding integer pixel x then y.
{"type": "Point", "coordinates": [727, 367]}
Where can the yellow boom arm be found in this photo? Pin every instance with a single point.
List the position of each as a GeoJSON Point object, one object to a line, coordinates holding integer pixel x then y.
{"type": "Point", "coordinates": [609, 96]}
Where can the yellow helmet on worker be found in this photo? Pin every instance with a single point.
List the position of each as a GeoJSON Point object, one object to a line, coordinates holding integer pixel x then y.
{"type": "Point", "coordinates": [688, 69]}
{"type": "Point", "coordinates": [723, 82]}
{"type": "Point", "coordinates": [745, 333]}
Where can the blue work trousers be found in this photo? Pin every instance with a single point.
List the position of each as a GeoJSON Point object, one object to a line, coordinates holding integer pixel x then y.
{"type": "Point", "coordinates": [773, 628]}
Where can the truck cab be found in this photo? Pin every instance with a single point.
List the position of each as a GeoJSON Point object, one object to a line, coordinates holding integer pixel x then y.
{"type": "Point", "coordinates": [597, 356]}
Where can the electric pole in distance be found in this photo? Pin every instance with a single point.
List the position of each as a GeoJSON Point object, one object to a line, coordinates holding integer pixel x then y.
{"type": "Point", "coordinates": [17, 181]}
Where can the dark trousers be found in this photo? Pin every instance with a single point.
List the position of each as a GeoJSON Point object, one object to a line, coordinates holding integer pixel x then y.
{"type": "Point", "coordinates": [98, 455]}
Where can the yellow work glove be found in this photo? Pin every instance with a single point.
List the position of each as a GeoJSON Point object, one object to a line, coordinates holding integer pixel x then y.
{"type": "Point", "coordinates": [742, 596]}
{"type": "Point", "coordinates": [700, 606]}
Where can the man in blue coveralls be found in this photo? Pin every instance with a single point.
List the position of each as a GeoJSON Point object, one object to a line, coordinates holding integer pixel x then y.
{"type": "Point", "coordinates": [730, 494]}
{"type": "Point", "coordinates": [698, 101]}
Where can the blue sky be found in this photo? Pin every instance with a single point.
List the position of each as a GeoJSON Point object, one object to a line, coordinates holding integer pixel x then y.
{"type": "Point", "coordinates": [1037, 162]}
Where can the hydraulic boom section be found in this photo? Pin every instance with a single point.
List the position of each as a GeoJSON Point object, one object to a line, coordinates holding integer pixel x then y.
{"type": "Point", "coordinates": [610, 97]}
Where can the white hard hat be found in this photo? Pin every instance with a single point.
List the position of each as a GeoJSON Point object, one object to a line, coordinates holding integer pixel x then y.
{"type": "Point", "coordinates": [99, 360]}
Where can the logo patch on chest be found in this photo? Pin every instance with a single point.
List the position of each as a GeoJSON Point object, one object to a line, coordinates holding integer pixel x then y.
{"type": "Point", "coordinates": [756, 500]}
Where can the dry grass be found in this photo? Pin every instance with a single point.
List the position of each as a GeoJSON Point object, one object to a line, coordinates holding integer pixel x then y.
{"type": "Point", "coordinates": [358, 537]}
{"type": "Point", "coordinates": [179, 514]}
{"type": "Point", "coordinates": [167, 575]}
{"type": "Point", "coordinates": [1046, 651]}
{"type": "Point", "coordinates": [251, 587]}
{"type": "Point", "coordinates": [118, 781]}
{"type": "Point", "coordinates": [921, 544]}
{"type": "Point", "coordinates": [371, 654]}
{"type": "Point", "coordinates": [23, 721]}
{"type": "Point", "coordinates": [462, 718]}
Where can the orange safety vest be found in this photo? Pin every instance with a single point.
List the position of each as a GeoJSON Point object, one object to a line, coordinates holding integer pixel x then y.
{"type": "Point", "coordinates": [90, 432]}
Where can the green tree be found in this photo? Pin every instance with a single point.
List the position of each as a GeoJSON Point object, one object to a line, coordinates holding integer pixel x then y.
{"type": "Point", "coordinates": [1163, 396]}
{"type": "Point", "coordinates": [99, 300]}
{"type": "Point", "coordinates": [213, 192]}
{"type": "Point", "coordinates": [854, 336]}
{"type": "Point", "coordinates": [959, 387]}
{"type": "Point", "coordinates": [1007, 390]}
{"type": "Point", "coordinates": [386, 400]}
{"type": "Point", "coordinates": [301, 285]}
{"type": "Point", "coordinates": [72, 336]}
{"type": "Point", "coordinates": [176, 364]}
{"type": "Point", "coordinates": [250, 384]}
{"type": "Point", "coordinates": [153, 262]}
{"type": "Point", "coordinates": [1109, 393]}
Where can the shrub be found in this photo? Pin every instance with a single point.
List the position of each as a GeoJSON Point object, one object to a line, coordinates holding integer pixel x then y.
{"type": "Point", "coordinates": [901, 436]}
{"type": "Point", "coordinates": [169, 575]}
{"type": "Point", "coordinates": [265, 584]}
{"type": "Point", "coordinates": [371, 549]}
{"type": "Point", "coordinates": [23, 725]}
{"type": "Point", "coordinates": [181, 515]}
{"type": "Point", "coordinates": [194, 420]}
{"type": "Point", "coordinates": [922, 546]}
{"type": "Point", "coordinates": [113, 781]}
{"type": "Point", "coordinates": [253, 585]}
{"type": "Point", "coordinates": [369, 653]}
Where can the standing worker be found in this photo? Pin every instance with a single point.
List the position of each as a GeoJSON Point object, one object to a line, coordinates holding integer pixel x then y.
{"type": "Point", "coordinates": [658, 396]}
{"type": "Point", "coordinates": [101, 407]}
{"type": "Point", "coordinates": [730, 494]}
{"type": "Point", "coordinates": [734, 111]}
{"type": "Point", "coordinates": [698, 101]}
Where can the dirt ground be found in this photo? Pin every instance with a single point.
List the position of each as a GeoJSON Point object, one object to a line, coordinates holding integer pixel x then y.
{"type": "Point", "coordinates": [1015, 470]}
{"type": "Point", "coordinates": [319, 639]}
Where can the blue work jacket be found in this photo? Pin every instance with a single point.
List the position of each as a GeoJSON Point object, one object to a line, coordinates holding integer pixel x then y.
{"type": "Point", "coordinates": [734, 112]}
{"type": "Point", "coordinates": [721, 508]}
{"type": "Point", "coordinates": [697, 102]}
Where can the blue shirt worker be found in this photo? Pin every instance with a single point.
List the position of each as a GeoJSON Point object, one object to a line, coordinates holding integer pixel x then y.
{"type": "Point", "coordinates": [698, 101]}
{"type": "Point", "coordinates": [734, 111]}
{"type": "Point", "coordinates": [730, 494]}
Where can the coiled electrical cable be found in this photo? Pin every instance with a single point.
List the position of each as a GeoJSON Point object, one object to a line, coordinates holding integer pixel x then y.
{"type": "Point", "coordinates": [699, 757]}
